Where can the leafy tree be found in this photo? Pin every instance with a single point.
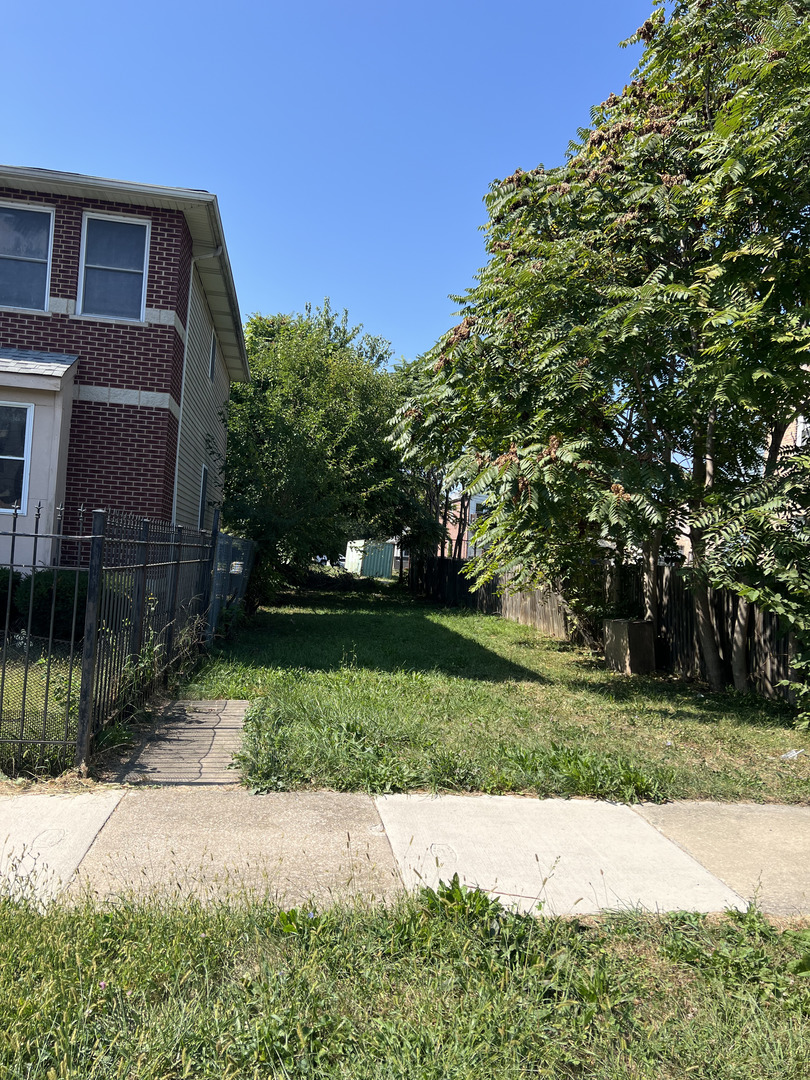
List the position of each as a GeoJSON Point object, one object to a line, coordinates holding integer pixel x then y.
{"type": "Point", "coordinates": [309, 463]}
{"type": "Point", "coordinates": [635, 346]}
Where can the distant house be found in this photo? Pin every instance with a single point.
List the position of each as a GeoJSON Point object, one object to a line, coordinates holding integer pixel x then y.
{"type": "Point", "coordinates": [120, 335]}
{"type": "Point", "coordinates": [462, 514]}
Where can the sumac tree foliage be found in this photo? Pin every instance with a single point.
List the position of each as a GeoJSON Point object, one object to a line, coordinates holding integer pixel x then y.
{"type": "Point", "coordinates": [635, 348]}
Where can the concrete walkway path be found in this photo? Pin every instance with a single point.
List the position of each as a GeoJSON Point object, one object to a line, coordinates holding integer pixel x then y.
{"type": "Point", "coordinates": [175, 821]}
{"type": "Point", "coordinates": [188, 742]}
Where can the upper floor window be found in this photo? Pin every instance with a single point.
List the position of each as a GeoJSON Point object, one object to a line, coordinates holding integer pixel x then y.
{"type": "Point", "coordinates": [115, 253]}
{"type": "Point", "coordinates": [25, 256]}
{"type": "Point", "coordinates": [15, 454]}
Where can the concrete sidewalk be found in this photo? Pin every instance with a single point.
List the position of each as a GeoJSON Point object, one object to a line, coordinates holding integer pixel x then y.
{"type": "Point", "coordinates": [183, 826]}
{"type": "Point", "coordinates": [570, 856]}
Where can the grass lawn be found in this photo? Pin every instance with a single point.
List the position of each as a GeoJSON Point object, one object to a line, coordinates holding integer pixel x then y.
{"type": "Point", "coordinates": [444, 985]}
{"type": "Point", "coordinates": [377, 692]}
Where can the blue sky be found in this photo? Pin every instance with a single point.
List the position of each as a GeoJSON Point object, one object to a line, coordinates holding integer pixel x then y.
{"type": "Point", "coordinates": [350, 142]}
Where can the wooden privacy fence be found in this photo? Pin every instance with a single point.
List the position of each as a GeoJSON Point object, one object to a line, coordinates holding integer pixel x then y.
{"type": "Point", "coordinates": [677, 647]}
{"type": "Point", "coordinates": [442, 581]}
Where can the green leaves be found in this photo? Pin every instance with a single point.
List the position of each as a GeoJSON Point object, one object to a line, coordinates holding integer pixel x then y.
{"type": "Point", "coordinates": [309, 462]}
{"type": "Point", "coordinates": [635, 343]}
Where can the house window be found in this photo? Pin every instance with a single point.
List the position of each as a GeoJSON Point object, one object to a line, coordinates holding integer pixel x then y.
{"type": "Point", "coordinates": [212, 367]}
{"type": "Point", "coordinates": [25, 256]}
{"type": "Point", "coordinates": [114, 259]}
{"type": "Point", "coordinates": [15, 454]}
{"type": "Point", "coordinates": [203, 497]}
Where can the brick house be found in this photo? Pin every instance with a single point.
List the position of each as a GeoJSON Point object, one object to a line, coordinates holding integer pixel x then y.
{"type": "Point", "coordinates": [120, 335]}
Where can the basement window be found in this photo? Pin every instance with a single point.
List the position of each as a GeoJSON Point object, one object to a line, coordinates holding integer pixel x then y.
{"type": "Point", "coordinates": [115, 254]}
{"type": "Point", "coordinates": [25, 256]}
{"type": "Point", "coordinates": [16, 423]}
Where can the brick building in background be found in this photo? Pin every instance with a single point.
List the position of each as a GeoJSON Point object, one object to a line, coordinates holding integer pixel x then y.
{"type": "Point", "coordinates": [120, 335]}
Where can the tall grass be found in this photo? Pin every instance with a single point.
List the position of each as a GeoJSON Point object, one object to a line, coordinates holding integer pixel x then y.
{"type": "Point", "coordinates": [444, 984]}
{"type": "Point", "coordinates": [377, 692]}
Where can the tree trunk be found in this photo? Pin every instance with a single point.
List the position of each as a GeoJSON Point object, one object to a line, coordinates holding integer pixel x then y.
{"type": "Point", "coordinates": [708, 639]}
{"type": "Point", "coordinates": [649, 571]}
{"type": "Point", "coordinates": [445, 517]}
{"type": "Point", "coordinates": [739, 646]}
{"type": "Point", "coordinates": [774, 447]}
{"type": "Point", "coordinates": [463, 517]}
{"type": "Point", "coordinates": [703, 474]}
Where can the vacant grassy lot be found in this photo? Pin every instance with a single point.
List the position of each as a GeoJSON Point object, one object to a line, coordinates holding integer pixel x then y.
{"type": "Point", "coordinates": [445, 985]}
{"type": "Point", "coordinates": [375, 692]}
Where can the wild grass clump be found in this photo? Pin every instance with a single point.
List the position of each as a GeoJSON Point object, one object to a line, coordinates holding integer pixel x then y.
{"type": "Point", "coordinates": [295, 740]}
{"type": "Point", "coordinates": [373, 691]}
{"type": "Point", "coordinates": [447, 983]}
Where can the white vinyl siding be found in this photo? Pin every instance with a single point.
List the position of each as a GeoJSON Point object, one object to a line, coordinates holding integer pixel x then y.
{"type": "Point", "coordinates": [203, 498]}
{"type": "Point", "coordinates": [201, 425]}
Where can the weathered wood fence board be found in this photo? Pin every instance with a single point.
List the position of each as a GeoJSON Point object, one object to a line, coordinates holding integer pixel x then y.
{"type": "Point", "coordinates": [678, 649]}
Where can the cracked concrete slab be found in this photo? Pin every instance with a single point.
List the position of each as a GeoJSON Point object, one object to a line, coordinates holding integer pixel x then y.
{"type": "Point", "coordinates": [570, 856]}
{"type": "Point", "coordinates": [43, 839]}
{"type": "Point", "coordinates": [189, 742]}
{"type": "Point", "coordinates": [217, 842]}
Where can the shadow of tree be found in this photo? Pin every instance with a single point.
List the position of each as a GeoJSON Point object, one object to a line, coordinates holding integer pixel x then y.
{"type": "Point", "coordinates": [380, 634]}
{"type": "Point", "coordinates": [681, 700]}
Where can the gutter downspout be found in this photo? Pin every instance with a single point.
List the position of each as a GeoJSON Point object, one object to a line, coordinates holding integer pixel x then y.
{"type": "Point", "coordinates": [194, 260]}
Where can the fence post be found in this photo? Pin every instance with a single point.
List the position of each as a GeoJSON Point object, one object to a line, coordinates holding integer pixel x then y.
{"type": "Point", "coordinates": [139, 594]}
{"type": "Point", "coordinates": [178, 556]}
{"type": "Point", "coordinates": [84, 729]}
{"type": "Point", "coordinates": [210, 613]}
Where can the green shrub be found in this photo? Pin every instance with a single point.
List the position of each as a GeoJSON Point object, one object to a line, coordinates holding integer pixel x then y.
{"type": "Point", "coordinates": [42, 582]}
{"type": "Point", "coordinates": [16, 577]}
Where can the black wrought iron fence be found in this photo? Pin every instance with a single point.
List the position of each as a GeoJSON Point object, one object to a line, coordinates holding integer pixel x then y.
{"type": "Point", "coordinates": [94, 620]}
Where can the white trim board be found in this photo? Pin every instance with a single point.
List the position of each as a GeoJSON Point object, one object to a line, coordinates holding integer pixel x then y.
{"type": "Point", "coordinates": [115, 395]}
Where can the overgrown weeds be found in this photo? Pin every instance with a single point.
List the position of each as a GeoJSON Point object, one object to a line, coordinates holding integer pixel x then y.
{"type": "Point", "coordinates": [447, 983]}
{"type": "Point", "coordinates": [375, 692]}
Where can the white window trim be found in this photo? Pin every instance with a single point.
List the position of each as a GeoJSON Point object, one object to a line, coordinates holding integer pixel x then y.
{"type": "Point", "coordinates": [80, 297]}
{"type": "Point", "coordinates": [29, 435]}
{"type": "Point", "coordinates": [19, 204]}
{"type": "Point", "coordinates": [203, 494]}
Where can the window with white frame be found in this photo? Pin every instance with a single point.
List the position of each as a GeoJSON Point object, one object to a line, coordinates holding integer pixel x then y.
{"type": "Point", "coordinates": [203, 497]}
{"type": "Point", "coordinates": [16, 423]}
{"type": "Point", "coordinates": [25, 256]}
{"type": "Point", "coordinates": [115, 255]}
{"type": "Point", "coordinates": [212, 365]}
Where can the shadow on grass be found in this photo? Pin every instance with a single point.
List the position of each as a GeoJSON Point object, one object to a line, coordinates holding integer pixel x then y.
{"type": "Point", "coordinates": [685, 700]}
{"type": "Point", "coordinates": [380, 633]}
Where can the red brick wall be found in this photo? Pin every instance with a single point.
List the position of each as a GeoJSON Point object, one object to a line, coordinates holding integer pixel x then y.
{"type": "Point", "coordinates": [140, 357]}
{"type": "Point", "coordinates": [184, 274]}
{"type": "Point", "coordinates": [122, 457]}
{"type": "Point", "coordinates": [170, 244]}
{"type": "Point", "coordinates": [119, 456]}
